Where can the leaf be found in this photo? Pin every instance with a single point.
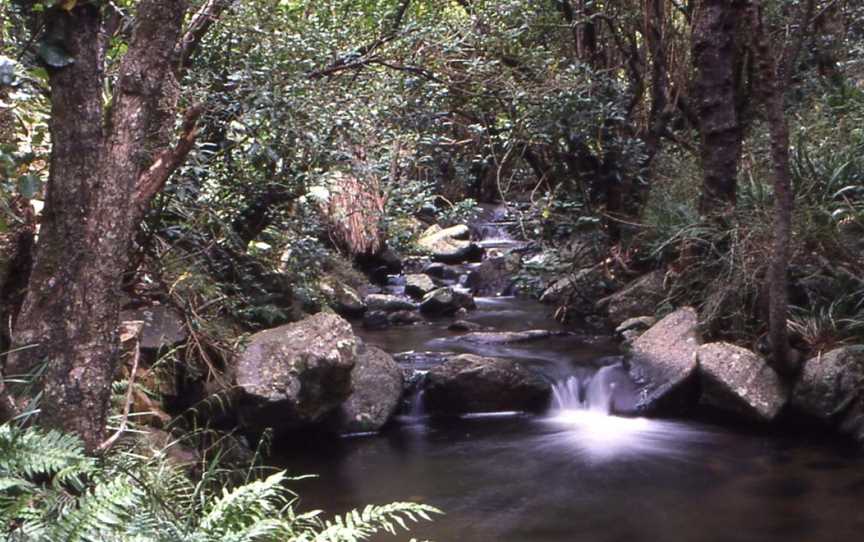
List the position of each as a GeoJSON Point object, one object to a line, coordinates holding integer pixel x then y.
{"type": "Point", "coordinates": [54, 55]}
{"type": "Point", "coordinates": [29, 186]}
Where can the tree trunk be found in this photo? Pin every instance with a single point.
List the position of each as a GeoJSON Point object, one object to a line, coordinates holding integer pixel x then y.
{"type": "Point", "coordinates": [827, 47]}
{"type": "Point", "coordinates": [715, 59]}
{"type": "Point", "coordinates": [774, 79]}
{"type": "Point", "coordinates": [654, 19]}
{"type": "Point", "coordinates": [100, 180]}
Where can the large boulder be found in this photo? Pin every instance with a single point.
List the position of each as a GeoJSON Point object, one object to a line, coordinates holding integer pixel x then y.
{"type": "Point", "coordinates": [377, 383]}
{"type": "Point", "coordinates": [563, 288]}
{"type": "Point", "coordinates": [418, 285]}
{"type": "Point", "coordinates": [344, 299]}
{"type": "Point", "coordinates": [388, 303]}
{"type": "Point", "coordinates": [663, 363]}
{"type": "Point", "coordinates": [446, 301]}
{"type": "Point", "coordinates": [460, 232]}
{"type": "Point", "coordinates": [639, 298]}
{"type": "Point", "coordinates": [631, 328]}
{"type": "Point", "coordinates": [494, 276]}
{"type": "Point", "coordinates": [448, 245]}
{"type": "Point", "coordinates": [738, 381]}
{"type": "Point", "coordinates": [831, 389]}
{"type": "Point", "coordinates": [469, 383]}
{"type": "Point", "coordinates": [294, 375]}
{"type": "Point", "coordinates": [415, 264]}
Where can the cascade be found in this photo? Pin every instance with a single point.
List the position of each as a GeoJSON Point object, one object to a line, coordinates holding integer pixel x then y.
{"type": "Point", "coordinates": [595, 392]}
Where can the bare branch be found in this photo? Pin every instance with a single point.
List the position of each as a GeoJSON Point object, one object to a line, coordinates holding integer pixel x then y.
{"type": "Point", "coordinates": [155, 177]}
{"type": "Point", "coordinates": [198, 27]}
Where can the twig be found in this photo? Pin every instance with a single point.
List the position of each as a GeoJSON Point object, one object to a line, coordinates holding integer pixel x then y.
{"type": "Point", "coordinates": [128, 405]}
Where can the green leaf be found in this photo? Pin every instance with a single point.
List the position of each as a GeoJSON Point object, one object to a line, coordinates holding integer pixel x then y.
{"type": "Point", "coordinates": [54, 55]}
{"type": "Point", "coordinates": [29, 186]}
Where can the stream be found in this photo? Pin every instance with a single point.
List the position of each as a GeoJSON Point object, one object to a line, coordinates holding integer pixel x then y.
{"type": "Point", "coordinates": [578, 473]}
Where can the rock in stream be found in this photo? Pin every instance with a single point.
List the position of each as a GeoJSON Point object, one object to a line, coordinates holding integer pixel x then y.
{"type": "Point", "coordinates": [469, 383]}
{"type": "Point", "coordinates": [294, 375]}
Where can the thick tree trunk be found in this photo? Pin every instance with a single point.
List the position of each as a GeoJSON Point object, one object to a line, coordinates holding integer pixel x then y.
{"type": "Point", "coordinates": [715, 60]}
{"type": "Point", "coordinates": [70, 315]}
{"type": "Point", "coordinates": [61, 312]}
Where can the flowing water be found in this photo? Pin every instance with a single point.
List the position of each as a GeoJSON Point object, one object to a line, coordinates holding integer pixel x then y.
{"type": "Point", "coordinates": [579, 473]}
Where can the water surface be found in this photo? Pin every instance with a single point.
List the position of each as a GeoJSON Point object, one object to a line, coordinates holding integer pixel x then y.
{"type": "Point", "coordinates": [576, 473]}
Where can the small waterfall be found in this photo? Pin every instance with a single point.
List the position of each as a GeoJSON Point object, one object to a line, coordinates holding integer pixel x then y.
{"type": "Point", "coordinates": [413, 406]}
{"type": "Point", "coordinates": [492, 229]}
{"type": "Point", "coordinates": [587, 404]}
{"type": "Point", "coordinates": [417, 408]}
{"type": "Point", "coordinates": [595, 392]}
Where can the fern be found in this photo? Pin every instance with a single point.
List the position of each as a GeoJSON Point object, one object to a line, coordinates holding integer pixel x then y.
{"type": "Point", "coordinates": [50, 491]}
{"type": "Point", "coordinates": [355, 526]}
{"type": "Point", "coordinates": [241, 509]}
{"type": "Point", "coordinates": [32, 453]}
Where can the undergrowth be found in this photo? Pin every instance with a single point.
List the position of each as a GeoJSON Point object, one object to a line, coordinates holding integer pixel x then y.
{"type": "Point", "coordinates": [720, 266]}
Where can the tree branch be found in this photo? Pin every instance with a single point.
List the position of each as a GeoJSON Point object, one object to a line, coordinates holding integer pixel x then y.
{"type": "Point", "coordinates": [357, 57]}
{"type": "Point", "coordinates": [154, 178]}
{"type": "Point", "coordinates": [198, 27]}
{"type": "Point", "coordinates": [130, 391]}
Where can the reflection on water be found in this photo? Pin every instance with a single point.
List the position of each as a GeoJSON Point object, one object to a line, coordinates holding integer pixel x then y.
{"type": "Point", "coordinates": [579, 474]}
{"type": "Point", "coordinates": [598, 436]}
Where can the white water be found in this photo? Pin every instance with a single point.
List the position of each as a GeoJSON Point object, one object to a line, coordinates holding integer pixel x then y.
{"type": "Point", "coordinates": [594, 393]}
{"type": "Point", "coordinates": [583, 407]}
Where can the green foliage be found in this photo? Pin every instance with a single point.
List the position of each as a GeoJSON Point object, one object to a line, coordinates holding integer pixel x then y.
{"type": "Point", "coordinates": [50, 490]}
{"type": "Point", "coordinates": [723, 268]}
{"type": "Point", "coordinates": [23, 168]}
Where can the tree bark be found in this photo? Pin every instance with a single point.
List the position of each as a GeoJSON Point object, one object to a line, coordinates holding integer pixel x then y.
{"type": "Point", "coordinates": [99, 174]}
{"type": "Point", "coordinates": [716, 59]}
{"type": "Point", "coordinates": [654, 18]}
{"type": "Point", "coordinates": [774, 72]}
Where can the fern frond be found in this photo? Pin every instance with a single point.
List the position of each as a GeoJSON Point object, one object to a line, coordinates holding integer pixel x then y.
{"type": "Point", "coordinates": [32, 452]}
{"type": "Point", "coordinates": [246, 506]}
{"type": "Point", "coordinates": [356, 525]}
{"type": "Point", "coordinates": [101, 513]}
